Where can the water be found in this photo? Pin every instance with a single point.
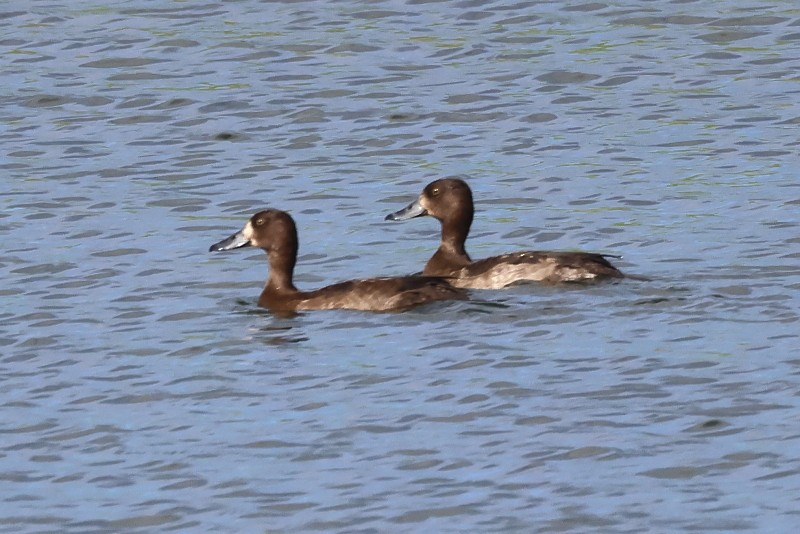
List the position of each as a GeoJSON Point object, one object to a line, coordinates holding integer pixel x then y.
{"type": "Point", "coordinates": [143, 390]}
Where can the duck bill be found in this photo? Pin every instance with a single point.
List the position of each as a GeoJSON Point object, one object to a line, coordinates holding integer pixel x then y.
{"type": "Point", "coordinates": [414, 209]}
{"type": "Point", "coordinates": [237, 240]}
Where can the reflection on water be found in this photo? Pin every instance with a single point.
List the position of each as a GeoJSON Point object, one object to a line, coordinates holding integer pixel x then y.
{"type": "Point", "coordinates": [143, 390]}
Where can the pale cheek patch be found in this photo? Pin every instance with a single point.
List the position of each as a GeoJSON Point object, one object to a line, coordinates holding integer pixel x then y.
{"type": "Point", "coordinates": [423, 201]}
{"type": "Point", "coordinates": [248, 231]}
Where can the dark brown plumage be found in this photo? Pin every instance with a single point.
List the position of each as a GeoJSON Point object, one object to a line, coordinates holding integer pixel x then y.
{"type": "Point", "coordinates": [450, 201]}
{"type": "Point", "coordinates": [275, 232]}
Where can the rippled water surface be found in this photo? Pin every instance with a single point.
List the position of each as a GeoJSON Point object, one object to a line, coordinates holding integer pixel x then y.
{"type": "Point", "coordinates": [141, 389]}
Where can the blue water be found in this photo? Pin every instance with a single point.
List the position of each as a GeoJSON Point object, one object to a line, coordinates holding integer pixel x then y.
{"type": "Point", "coordinates": [142, 390]}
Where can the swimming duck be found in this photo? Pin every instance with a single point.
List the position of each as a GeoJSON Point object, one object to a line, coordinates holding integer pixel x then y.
{"type": "Point", "coordinates": [450, 201]}
{"type": "Point", "coordinates": [275, 232]}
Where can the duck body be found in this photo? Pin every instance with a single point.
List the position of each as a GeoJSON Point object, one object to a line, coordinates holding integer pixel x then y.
{"type": "Point", "coordinates": [450, 201]}
{"type": "Point", "coordinates": [275, 232]}
{"type": "Point", "coordinates": [372, 294]}
{"type": "Point", "coordinates": [504, 270]}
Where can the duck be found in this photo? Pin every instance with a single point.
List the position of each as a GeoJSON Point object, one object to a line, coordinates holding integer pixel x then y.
{"type": "Point", "coordinates": [275, 232]}
{"type": "Point", "coordinates": [450, 201]}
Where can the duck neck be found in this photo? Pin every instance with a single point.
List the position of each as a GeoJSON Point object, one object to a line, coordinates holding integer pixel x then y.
{"type": "Point", "coordinates": [281, 268]}
{"type": "Point", "coordinates": [454, 235]}
{"type": "Point", "coordinates": [451, 255]}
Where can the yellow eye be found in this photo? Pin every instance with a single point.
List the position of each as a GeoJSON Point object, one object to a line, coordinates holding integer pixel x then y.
{"type": "Point", "coordinates": [259, 222]}
{"type": "Point", "coordinates": [435, 191]}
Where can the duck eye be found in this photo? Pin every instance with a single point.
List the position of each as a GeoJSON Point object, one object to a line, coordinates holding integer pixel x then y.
{"type": "Point", "coordinates": [435, 191]}
{"type": "Point", "coordinates": [259, 222]}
